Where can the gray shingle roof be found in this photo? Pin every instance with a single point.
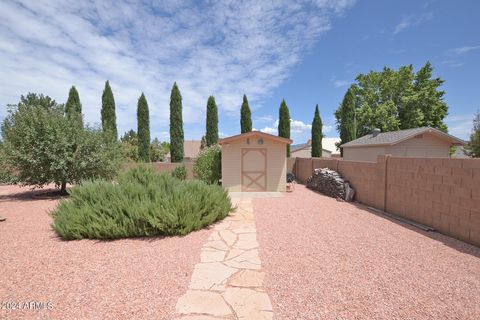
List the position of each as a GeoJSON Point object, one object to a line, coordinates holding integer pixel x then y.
{"type": "Point", "coordinates": [393, 137]}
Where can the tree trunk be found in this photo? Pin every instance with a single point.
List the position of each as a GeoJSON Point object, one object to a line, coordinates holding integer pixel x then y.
{"type": "Point", "coordinates": [63, 188]}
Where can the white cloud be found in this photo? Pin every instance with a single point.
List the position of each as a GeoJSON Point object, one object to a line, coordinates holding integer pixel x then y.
{"type": "Point", "coordinates": [221, 48]}
{"type": "Point", "coordinates": [270, 130]}
{"type": "Point", "coordinates": [463, 50]}
{"type": "Point", "coordinates": [297, 126]}
{"type": "Point", "coordinates": [460, 125]}
{"type": "Point", "coordinates": [340, 83]}
{"type": "Point", "coordinates": [412, 20]}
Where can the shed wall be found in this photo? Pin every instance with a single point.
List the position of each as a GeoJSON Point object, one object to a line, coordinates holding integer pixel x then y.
{"type": "Point", "coordinates": [425, 147]}
{"type": "Point", "coordinates": [232, 164]}
{"type": "Point", "coordinates": [363, 153]}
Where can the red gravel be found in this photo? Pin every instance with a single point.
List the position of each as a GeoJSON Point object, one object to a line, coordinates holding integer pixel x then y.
{"type": "Point", "coordinates": [122, 279]}
{"type": "Point", "coordinates": [331, 260]}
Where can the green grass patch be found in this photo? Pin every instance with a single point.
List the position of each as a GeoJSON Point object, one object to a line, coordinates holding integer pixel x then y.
{"type": "Point", "coordinates": [140, 203]}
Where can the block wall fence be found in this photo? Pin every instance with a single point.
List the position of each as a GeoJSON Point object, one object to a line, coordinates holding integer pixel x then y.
{"type": "Point", "coordinates": [166, 166]}
{"type": "Point", "coordinates": [439, 192]}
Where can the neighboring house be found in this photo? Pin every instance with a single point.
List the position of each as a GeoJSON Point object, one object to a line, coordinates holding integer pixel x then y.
{"type": "Point", "coordinates": [191, 148]}
{"type": "Point", "coordinates": [424, 142]}
{"type": "Point", "coordinates": [304, 150]}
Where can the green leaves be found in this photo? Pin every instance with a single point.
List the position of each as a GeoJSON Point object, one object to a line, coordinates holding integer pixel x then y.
{"type": "Point", "coordinates": [472, 148]}
{"type": "Point", "coordinates": [208, 165]}
{"type": "Point", "coordinates": [176, 125]}
{"type": "Point", "coordinates": [245, 116]}
{"type": "Point", "coordinates": [317, 134]}
{"type": "Point", "coordinates": [392, 100]}
{"type": "Point", "coordinates": [211, 135]}
{"type": "Point", "coordinates": [143, 122]}
{"type": "Point", "coordinates": [284, 123]}
{"type": "Point", "coordinates": [73, 107]}
{"type": "Point", "coordinates": [109, 118]}
{"type": "Point", "coordinates": [141, 203]}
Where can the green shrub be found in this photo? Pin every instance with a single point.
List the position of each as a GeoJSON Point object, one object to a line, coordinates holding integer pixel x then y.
{"type": "Point", "coordinates": [140, 203]}
{"type": "Point", "coordinates": [208, 166]}
{"type": "Point", "coordinates": [180, 173]}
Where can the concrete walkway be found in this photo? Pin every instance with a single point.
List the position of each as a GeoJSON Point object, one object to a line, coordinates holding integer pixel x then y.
{"type": "Point", "coordinates": [228, 281]}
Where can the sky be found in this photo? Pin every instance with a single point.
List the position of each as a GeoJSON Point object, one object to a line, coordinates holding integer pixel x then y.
{"type": "Point", "coordinates": [306, 52]}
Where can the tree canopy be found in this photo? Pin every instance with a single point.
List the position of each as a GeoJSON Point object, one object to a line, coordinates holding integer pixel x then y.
{"type": "Point", "coordinates": [284, 123]}
{"type": "Point", "coordinates": [392, 100]}
{"type": "Point", "coordinates": [245, 116]}
{"type": "Point", "coordinates": [73, 106]}
{"type": "Point", "coordinates": [44, 146]}
{"type": "Point", "coordinates": [211, 135]}
{"type": "Point", "coordinates": [176, 125]}
{"type": "Point", "coordinates": [317, 134]}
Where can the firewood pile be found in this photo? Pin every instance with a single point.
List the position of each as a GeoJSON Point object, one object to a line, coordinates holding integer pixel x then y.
{"type": "Point", "coordinates": [330, 183]}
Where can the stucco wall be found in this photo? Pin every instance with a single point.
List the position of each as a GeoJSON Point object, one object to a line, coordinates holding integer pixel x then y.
{"type": "Point", "coordinates": [166, 166]}
{"type": "Point", "coordinates": [232, 164]}
{"type": "Point", "coordinates": [363, 153]}
{"type": "Point", "coordinates": [307, 153]}
{"type": "Point", "coordinates": [424, 146]}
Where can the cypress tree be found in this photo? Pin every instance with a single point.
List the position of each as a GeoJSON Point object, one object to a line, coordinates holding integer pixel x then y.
{"type": "Point", "coordinates": [245, 116]}
{"type": "Point", "coordinates": [211, 136]}
{"type": "Point", "coordinates": [346, 118]}
{"type": "Point", "coordinates": [284, 123]}
{"type": "Point", "coordinates": [73, 107]}
{"type": "Point", "coordinates": [176, 125]}
{"type": "Point", "coordinates": [109, 119]}
{"type": "Point", "coordinates": [317, 134]}
{"type": "Point", "coordinates": [143, 129]}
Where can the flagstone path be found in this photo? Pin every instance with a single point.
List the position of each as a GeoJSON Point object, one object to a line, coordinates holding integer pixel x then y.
{"type": "Point", "coordinates": [227, 283]}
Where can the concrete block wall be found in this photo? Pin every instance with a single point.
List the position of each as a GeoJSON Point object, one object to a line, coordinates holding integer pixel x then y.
{"type": "Point", "coordinates": [441, 192]}
{"type": "Point", "coordinates": [166, 166]}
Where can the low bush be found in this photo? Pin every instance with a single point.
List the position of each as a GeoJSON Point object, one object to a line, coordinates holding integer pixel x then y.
{"type": "Point", "coordinates": [208, 165]}
{"type": "Point", "coordinates": [139, 203]}
{"type": "Point", "coordinates": [180, 173]}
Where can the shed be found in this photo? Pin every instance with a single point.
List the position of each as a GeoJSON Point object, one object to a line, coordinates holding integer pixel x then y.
{"type": "Point", "coordinates": [254, 161]}
{"type": "Point", "coordinates": [424, 142]}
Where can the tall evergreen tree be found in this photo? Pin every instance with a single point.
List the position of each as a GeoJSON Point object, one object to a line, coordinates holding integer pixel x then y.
{"type": "Point", "coordinates": [73, 107]}
{"type": "Point", "coordinates": [109, 119]}
{"type": "Point", "coordinates": [317, 134]}
{"type": "Point", "coordinates": [143, 129]}
{"type": "Point", "coordinates": [284, 123]}
{"type": "Point", "coordinates": [245, 116]}
{"type": "Point", "coordinates": [211, 136]}
{"type": "Point", "coordinates": [176, 125]}
{"type": "Point", "coordinates": [346, 117]}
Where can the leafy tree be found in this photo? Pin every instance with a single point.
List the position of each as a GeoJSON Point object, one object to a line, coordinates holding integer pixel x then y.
{"type": "Point", "coordinates": [284, 123]}
{"type": "Point", "coordinates": [472, 149]}
{"type": "Point", "coordinates": [211, 136]}
{"type": "Point", "coordinates": [203, 143]}
{"type": "Point", "coordinates": [245, 116]}
{"type": "Point", "coordinates": [392, 100]}
{"type": "Point", "coordinates": [73, 107]}
{"type": "Point", "coordinates": [109, 119]}
{"type": "Point", "coordinates": [317, 134]}
{"type": "Point", "coordinates": [208, 165]}
{"type": "Point", "coordinates": [176, 125]}
{"type": "Point", "coordinates": [143, 122]}
{"type": "Point", "coordinates": [44, 146]}
{"type": "Point", "coordinates": [130, 136]}
{"type": "Point", "coordinates": [157, 151]}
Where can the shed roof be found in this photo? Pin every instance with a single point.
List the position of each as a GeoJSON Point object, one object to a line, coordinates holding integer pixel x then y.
{"type": "Point", "coordinates": [394, 137]}
{"type": "Point", "coordinates": [245, 135]}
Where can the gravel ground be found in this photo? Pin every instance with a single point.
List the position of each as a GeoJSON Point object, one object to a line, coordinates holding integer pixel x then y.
{"type": "Point", "coordinates": [326, 259]}
{"type": "Point", "coordinates": [122, 279]}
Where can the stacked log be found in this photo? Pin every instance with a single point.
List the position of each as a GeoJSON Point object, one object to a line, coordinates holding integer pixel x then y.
{"type": "Point", "coordinates": [330, 183]}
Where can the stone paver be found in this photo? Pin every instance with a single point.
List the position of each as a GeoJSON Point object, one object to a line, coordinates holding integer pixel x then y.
{"type": "Point", "coordinates": [228, 281]}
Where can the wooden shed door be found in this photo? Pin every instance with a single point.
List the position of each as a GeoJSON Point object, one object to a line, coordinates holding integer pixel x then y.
{"type": "Point", "coordinates": [254, 169]}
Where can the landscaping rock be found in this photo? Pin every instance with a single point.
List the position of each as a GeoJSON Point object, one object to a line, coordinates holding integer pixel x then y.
{"type": "Point", "coordinates": [330, 183]}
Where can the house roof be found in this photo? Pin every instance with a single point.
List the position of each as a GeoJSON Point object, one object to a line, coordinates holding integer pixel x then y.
{"type": "Point", "coordinates": [394, 137]}
{"type": "Point", "coordinates": [255, 134]}
{"type": "Point", "coordinates": [328, 144]}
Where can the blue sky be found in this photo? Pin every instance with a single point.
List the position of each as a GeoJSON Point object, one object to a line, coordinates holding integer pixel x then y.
{"type": "Point", "coordinates": [307, 52]}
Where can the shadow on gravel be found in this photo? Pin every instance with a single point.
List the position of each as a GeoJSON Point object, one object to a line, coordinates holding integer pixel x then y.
{"type": "Point", "coordinates": [446, 240]}
{"type": "Point", "coordinates": [33, 195]}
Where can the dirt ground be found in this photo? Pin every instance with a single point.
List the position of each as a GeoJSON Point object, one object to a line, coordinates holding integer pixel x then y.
{"type": "Point", "coordinates": [121, 279]}
{"type": "Point", "coordinates": [326, 259]}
